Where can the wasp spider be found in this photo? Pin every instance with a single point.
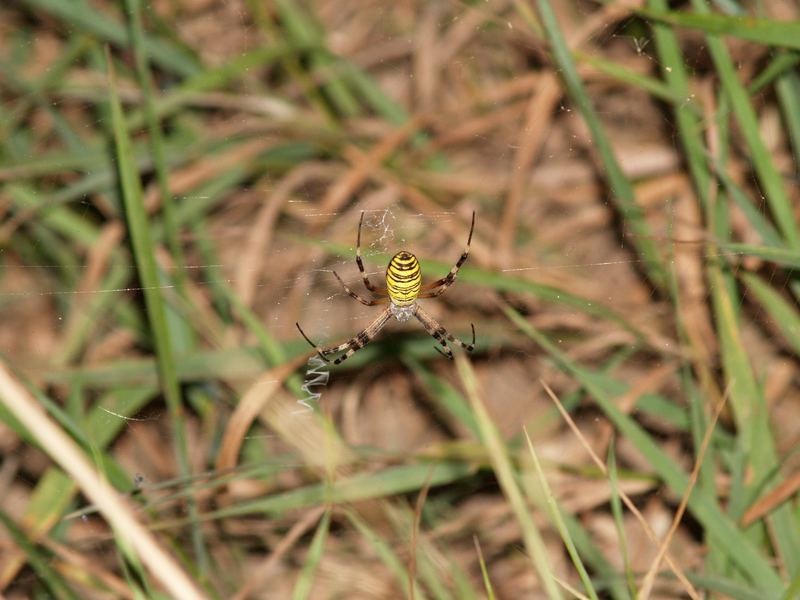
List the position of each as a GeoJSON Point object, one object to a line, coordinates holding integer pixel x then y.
{"type": "Point", "coordinates": [403, 289]}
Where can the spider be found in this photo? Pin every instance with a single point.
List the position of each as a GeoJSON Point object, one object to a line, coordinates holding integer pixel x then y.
{"type": "Point", "coordinates": [403, 288]}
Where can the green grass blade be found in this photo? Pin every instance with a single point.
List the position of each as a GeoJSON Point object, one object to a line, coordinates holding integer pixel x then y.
{"type": "Point", "coordinates": [782, 256]}
{"type": "Point", "coordinates": [39, 560]}
{"type": "Point", "coordinates": [302, 588]}
{"type": "Point", "coordinates": [143, 250]}
{"type": "Point", "coordinates": [300, 28]}
{"type": "Point", "coordinates": [386, 554]}
{"type": "Point", "coordinates": [782, 64]}
{"type": "Point", "coordinates": [487, 581]}
{"type": "Point", "coordinates": [444, 395]}
{"type": "Point", "coordinates": [363, 486]}
{"type": "Point", "coordinates": [741, 550]}
{"type": "Point", "coordinates": [556, 516]}
{"type": "Point", "coordinates": [622, 190]}
{"type": "Point", "coordinates": [180, 330]}
{"type": "Point", "coordinates": [744, 113]}
{"type": "Point", "coordinates": [652, 86]}
{"type": "Point", "coordinates": [673, 69]}
{"type": "Point", "coordinates": [606, 574]}
{"type": "Point", "coordinates": [506, 477]}
{"type": "Point", "coordinates": [783, 314]}
{"type": "Point", "coordinates": [756, 219]}
{"type": "Point", "coordinates": [788, 90]}
{"type": "Point", "coordinates": [763, 31]}
{"type": "Point", "coordinates": [81, 16]}
{"type": "Point", "coordinates": [616, 511]}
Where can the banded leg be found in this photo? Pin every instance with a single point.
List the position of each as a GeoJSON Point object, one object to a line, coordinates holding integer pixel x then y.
{"type": "Point", "coordinates": [446, 281]}
{"type": "Point", "coordinates": [440, 334]}
{"type": "Point", "coordinates": [360, 264]}
{"type": "Point", "coordinates": [355, 296]}
{"type": "Point", "coordinates": [354, 344]}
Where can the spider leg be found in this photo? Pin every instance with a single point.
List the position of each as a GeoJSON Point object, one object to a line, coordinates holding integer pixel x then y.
{"type": "Point", "coordinates": [355, 296]}
{"type": "Point", "coordinates": [440, 334]}
{"type": "Point", "coordinates": [355, 343]}
{"type": "Point", "coordinates": [363, 338]}
{"type": "Point", "coordinates": [313, 345]}
{"type": "Point", "coordinates": [446, 281]}
{"type": "Point", "coordinates": [367, 283]}
{"type": "Point", "coordinates": [447, 353]}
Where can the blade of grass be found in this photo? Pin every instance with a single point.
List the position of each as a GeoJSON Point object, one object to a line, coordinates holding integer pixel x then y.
{"type": "Point", "coordinates": [82, 17]}
{"type": "Point", "coordinates": [143, 250]}
{"type": "Point", "coordinates": [625, 498]}
{"type": "Point", "coordinates": [424, 560]}
{"type": "Point", "coordinates": [778, 66]}
{"type": "Point", "coordinates": [180, 331]}
{"type": "Point", "coordinates": [302, 587]}
{"type": "Point", "coordinates": [765, 229]}
{"type": "Point", "coordinates": [40, 561]}
{"type": "Point", "coordinates": [66, 453]}
{"type": "Point", "coordinates": [690, 130]}
{"type": "Point", "coordinates": [363, 486]}
{"type": "Point", "coordinates": [616, 511]}
{"type": "Point", "coordinates": [788, 90]}
{"type": "Point", "coordinates": [673, 69]}
{"type": "Point", "coordinates": [501, 463]}
{"type": "Point", "coordinates": [300, 28]}
{"type": "Point", "coordinates": [705, 509]}
{"type": "Point", "coordinates": [727, 587]}
{"type": "Point", "coordinates": [650, 577]}
{"type": "Point", "coordinates": [234, 364]}
{"type": "Point", "coordinates": [556, 516]}
{"type": "Point", "coordinates": [745, 116]}
{"type": "Point", "coordinates": [652, 86]}
{"type": "Point", "coordinates": [487, 582]}
{"type": "Point", "coordinates": [783, 256]}
{"type": "Point", "coordinates": [444, 395]}
{"type": "Point", "coordinates": [55, 490]}
{"type": "Point", "coordinates": [386, 554]}
{"type": "Point", "coordinates": [621, 189]}
{"type": "Point", "coordinates": [764, 31]}
{"type": "Point", "coordinates": [783, 314]}
{"type": "Point", "coordinates": [751, 413]}
{"type": "Point", "coordinates": [606, 576]}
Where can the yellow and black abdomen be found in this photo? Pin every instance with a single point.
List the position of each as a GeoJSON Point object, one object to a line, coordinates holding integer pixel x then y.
{"type": "Point", "coordinates": [403, 278]}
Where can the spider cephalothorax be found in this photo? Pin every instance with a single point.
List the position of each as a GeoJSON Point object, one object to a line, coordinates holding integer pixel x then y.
{"type": "Point", "coordinates": [403, 288]}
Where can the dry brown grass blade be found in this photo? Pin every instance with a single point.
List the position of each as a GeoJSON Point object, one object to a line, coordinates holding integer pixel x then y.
{"type": "Point", "coordinates": [252, 403]}
{"type": "Point", "coordinates": [364, 164]}
{"type": "Point", "coordinates": [98, 258]}
{"type": "Point", "coordinates": [673, 565]}
{"type": "Point", "coordinates": [537, 122]}
{"type": "Point", "coordinates": [76, 562]}
{"type": "Point", "coordinates": [571, 589]}
{"type": "Point", "coordinates": [113, 506]}
{"type": "Point", "coordinates": [262, 231]}
{"type": "Point", "coordinates": [767, 503]}
{"type": "Point", "coordinates": [650, 577]}
{"type": "Point", "coordinates": [260, 572]}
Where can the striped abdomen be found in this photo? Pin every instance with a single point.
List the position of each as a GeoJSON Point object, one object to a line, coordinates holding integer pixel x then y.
{"type": "Point", "coordinates": [403, 278]}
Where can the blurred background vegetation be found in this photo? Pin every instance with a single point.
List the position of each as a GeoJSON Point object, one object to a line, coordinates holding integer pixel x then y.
{"type": "Point", "coordinates": [179, 177]}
